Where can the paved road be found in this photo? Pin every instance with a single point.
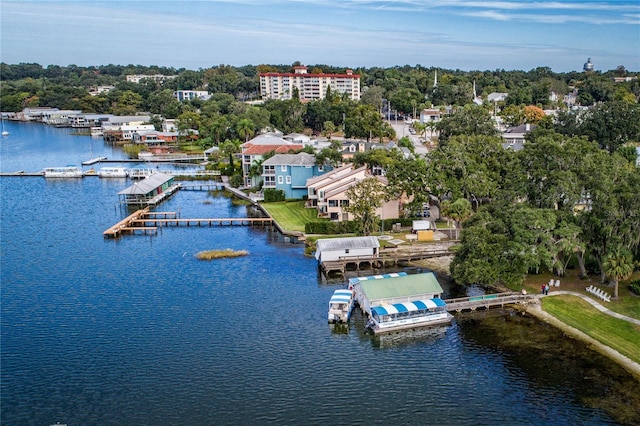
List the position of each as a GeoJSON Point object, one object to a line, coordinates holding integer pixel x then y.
{"type": "Point", "coordinates": [402, 129]}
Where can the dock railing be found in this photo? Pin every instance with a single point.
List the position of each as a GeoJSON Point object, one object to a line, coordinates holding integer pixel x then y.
{"type": "Point", "coordinates": [487, 301]}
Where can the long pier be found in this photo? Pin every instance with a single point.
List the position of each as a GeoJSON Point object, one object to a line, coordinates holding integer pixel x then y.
{"type": "Point", "coordinates": [384, 259]}
{"type": "Point", "coordinates": [148, 222]}
{"type": "Point", "coordinates": [225, 221]}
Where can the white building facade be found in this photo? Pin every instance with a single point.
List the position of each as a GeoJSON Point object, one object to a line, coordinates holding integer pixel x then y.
{"type": "Point", "coordinates": [310, 86]}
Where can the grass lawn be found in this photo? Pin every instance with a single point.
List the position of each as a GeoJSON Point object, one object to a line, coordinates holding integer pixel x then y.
{"type": "Point", "coordinates": [618, 334]}
{"type": "Point", "coordinates": [626, 304]}
{"type": "Point", "coordinates": [291, 215]}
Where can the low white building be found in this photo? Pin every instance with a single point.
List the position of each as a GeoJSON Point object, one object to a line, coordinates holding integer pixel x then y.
{"type": "Point", "coordinates": [187, 95]}
{"type": "Point", "coordinates": [341, 248]}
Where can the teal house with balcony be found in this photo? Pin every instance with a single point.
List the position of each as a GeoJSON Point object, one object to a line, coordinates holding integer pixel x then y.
{"type": "Point", "coordinates": [289, 173]}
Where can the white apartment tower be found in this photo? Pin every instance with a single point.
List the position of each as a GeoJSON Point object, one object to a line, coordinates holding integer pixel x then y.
{"type": "Point", "coordinates": [311, 87]}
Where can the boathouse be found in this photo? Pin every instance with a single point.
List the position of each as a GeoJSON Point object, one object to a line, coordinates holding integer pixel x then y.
{"type": "Point", "coordinates": [390, 290]}
{"type": "Point", "coordinates": [149, 191]}
{"type": "Point", "coordinates": [330, 249]}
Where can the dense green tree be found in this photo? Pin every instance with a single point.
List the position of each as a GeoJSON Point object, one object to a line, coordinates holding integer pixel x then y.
{"type": "Point", "coordinates": [365, 198]}
{"type": "Point", "coordinates": [372, 96]}
{"type": "Point", "coordinates": [128, 103]}
{"type": "Point", "coordinates": [471, 167]}
{"type": "Point", "coordinates": [470, 120]}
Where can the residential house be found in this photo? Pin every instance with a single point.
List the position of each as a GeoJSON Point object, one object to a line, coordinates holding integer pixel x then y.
{"type": "Point", "coordinates": [169, 125]}
{"type": "Point", "coordinates": [297, 138]}
{"type": "Point", "coordinates": [318, 186]}
{"type": "Point", "coordinates": [59, 117]}
{"type": "Point", "coordinates": [253, 152]}
{"type": "Point", "coordinates": [514, 137]}
{"type": "Point", "coordinates": [88, 120]}
{"type": "Point", "coordinates": [329, 249]}
{"type": "Point", "coordinates": [351, 147]}
{"type": "Point", "coordinates": [431, 115]}
{"type": "Point", "coordinates": [153, 138]}
{"type": "Point", "coordinates": [328, 193]}
{"type": "Point", "coordinates": [290, 172]}
{"type": "Point", "coordinates": [112, 129]}
{"type": "Point", "coordinates": [338, 198]}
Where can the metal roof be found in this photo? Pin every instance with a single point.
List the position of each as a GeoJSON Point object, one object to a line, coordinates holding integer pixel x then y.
{"type": "Point", "coordinates": [299, 159]}
{"type": "Point", "coordinates": [147, 184]}
{"type": "Point", "coordinates": [405, 286]}
{"type": "Point", "coordinates": [328, 244]}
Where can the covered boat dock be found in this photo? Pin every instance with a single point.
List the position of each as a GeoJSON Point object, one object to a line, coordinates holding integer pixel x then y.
{"type": "Point", "coordinates": [150, 191]}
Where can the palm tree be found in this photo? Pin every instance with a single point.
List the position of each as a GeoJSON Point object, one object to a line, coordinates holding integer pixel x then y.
{"type": "Point", "coordinates": [245, 128]}
{"type": "Point", "coordinates": [458, 210]}
{"type": "Point", "coordinates": [618, 265]}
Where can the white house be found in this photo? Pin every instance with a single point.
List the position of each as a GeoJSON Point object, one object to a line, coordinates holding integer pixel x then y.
{"type": "Point", "coordinates": [340, 248]}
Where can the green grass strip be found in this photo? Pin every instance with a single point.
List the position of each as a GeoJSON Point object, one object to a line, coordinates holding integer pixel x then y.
{"type": "Point", "coordinates": [618, 334]}
{"type": "Point", "coordinates": [291, 215]}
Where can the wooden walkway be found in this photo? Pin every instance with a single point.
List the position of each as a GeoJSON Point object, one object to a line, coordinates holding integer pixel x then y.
{"type": "Point", "coordinates": [488, 301]}
{"type": "Point", "coordinates": [385, 259]}
{"type": "Point", "coordinates": [148, 222]}
{"type": "Point", "coordinates": [224, 221]}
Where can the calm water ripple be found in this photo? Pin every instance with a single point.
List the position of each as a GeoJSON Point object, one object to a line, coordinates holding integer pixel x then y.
{"type": "Point", "coordinates": [139, 331]}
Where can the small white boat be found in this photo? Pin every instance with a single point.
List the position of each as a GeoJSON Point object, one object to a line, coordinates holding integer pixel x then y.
{"type": "Point", "coordinates": [140, 173]}
{"type": "Point", "coordinates": [399, 316]}
{"type": "Point", "coordinates": [340, 306]}
{"type": "Point", "coordinates": [62, 172]}
{"type": "Point", "coordinates": [113, 172]}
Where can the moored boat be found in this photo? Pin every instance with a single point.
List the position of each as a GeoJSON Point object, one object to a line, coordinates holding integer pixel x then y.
{"type": "Point", "coordinates": [113, 172]}
{"type": "Point", "coordinates": [340, 306]}
{"type": "Point", "coordinates": [62, 172]}
{"type": "Point", "coordinates": [400, 316]}
{"type": "Point", "coordinates": [140, 173]}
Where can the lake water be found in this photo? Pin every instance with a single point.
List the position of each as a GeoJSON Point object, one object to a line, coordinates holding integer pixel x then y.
{"type": "Point", "coordinates": [139, 331]}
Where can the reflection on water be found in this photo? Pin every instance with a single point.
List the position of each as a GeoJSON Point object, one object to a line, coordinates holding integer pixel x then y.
{"type": "Point", "coordinates": [424, 335]}
{"type": "Point", "coordinates": [555, 362]}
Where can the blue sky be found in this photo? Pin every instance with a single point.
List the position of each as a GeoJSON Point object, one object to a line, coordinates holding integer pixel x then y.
{"type": "Point", "coordinates": [457, 34]}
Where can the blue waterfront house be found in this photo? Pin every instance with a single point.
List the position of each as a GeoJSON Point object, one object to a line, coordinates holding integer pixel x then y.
{"type": "Point", "coordinates": [289, 172]}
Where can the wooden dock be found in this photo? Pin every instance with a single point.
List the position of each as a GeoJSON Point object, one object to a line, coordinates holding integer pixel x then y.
{"type": "Point", "coordinates": [145, 221]}
{"type": "Point", "coordinates": [125, 224]}
{"type": "Point", "coordinates": [384, 259]}
{"type": "Point", "coordinates": [487, 301]}
{"type": "Point", "coordinates": [224, 221]}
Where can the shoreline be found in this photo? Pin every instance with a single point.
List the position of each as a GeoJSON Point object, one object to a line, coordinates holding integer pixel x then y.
{"type": "Point", "coordinates": [441, 266]}
{"type": "Point", "coordinates": [629, 365]}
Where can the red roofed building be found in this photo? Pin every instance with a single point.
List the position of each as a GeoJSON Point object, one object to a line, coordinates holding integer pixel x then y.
{"type": "Point", "coordinates": [311, 87]}
{"type": "Point", "coordinates": [255, 150]}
